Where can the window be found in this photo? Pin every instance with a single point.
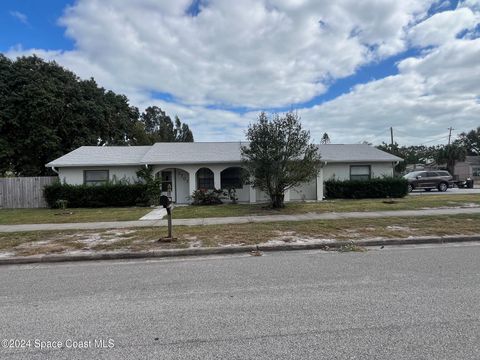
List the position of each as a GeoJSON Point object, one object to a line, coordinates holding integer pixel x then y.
{"type": "Point", "coordinates": [95, 177]}
{"type": "Point", "coordinates": [359, 172]}
{"type": "Point", "coordinates": [205, 179]}
{"type": "Point", "coordinates": [231, 178]}
{"type": "Point", "coordinates": [475, 170]}
{"type": "Point", "coordinates": [432, 174]}
{"type": "Point", "coordinates": [167, 184]}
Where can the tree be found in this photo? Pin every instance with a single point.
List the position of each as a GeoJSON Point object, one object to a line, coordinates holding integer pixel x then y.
{"type": "Point", "coordinates": [471, 141]}
{"type": "Point", "coordinates": [279, 155]}
{"type": "Point", "coordinates": [182, 131]}
{"type": "Point", "coordinates": [47, 111]}
{"type": "Point", "coordinates": [325, 139]}
{"type": "Point", "coordinates": [416, 154]}
{"type": "Point", "coordinates": [450, 154]}
{"type": "Point", "coordinates": [159, 127]}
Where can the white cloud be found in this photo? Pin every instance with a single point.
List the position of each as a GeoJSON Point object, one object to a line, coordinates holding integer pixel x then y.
{"type": "Point", "coordinates": [19, 16]}
{"type": "Point", "coordinates": [443, 27]}
{"type": "Point", "coordinates": [269, 53]}
{"type": "Point", "coordinates": [429, 94]}
{"type": "Point", "coordinates": [247, 53]}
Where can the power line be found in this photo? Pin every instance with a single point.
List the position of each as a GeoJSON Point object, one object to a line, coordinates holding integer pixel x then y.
{"type": "Point", "coordinates": [440, 138]}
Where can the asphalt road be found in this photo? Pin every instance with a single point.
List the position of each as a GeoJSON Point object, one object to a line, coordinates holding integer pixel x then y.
{"type": "Point", "coordinates": [395, 303]}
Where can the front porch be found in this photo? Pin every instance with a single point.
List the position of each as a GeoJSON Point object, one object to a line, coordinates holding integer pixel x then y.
{"type": "Point", "coordinates": [179, 182]}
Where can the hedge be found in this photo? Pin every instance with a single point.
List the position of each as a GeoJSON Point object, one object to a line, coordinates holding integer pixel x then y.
{"type": "Point", "coordinates": [365, 189]}
{"type": "Point", "coordinates": [96, 195]}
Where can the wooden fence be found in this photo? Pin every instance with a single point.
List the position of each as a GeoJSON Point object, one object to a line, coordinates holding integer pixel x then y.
{"type": "Point", "coordinates": [24, 192]}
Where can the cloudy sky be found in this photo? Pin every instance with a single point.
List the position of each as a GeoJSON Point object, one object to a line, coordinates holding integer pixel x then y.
{"type": "Point", "coordinates": [350, 68]}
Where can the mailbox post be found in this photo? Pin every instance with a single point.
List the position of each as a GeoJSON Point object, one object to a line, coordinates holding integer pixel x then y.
{"type": "Point", "coordinates": [167, 204]}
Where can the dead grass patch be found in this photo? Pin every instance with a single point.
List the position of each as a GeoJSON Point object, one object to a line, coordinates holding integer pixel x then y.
{"type": "Point", "coordinates": [143, 239]}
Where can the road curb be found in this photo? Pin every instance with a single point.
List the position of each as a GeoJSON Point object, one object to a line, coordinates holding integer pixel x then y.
{"type": "Point", "coordinates": [321, 245]}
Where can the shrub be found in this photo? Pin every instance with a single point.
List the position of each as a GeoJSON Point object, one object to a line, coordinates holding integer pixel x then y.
{"type": "Point", "coordinates": [207, 197]}
{"type": "Point", "coordinates": [96, 196]}
{"type": "Point", "coordinates": [364, 189]}
{"type": "Point", "coordinates": [231, 193]}
{"type": "Point", "coordinates": [153, 185]}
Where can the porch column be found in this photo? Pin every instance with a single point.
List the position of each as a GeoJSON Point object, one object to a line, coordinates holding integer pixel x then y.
{"type": "Point", "coordinates": [320, 185]}
{"type": "Point", "coordinates": [253, 194]}
{"type": "Point", "coordinates": [216, 179]}
{"type": "Point", "coordinates": [287, 195]}
{"type": "Point", "coordinates": [192, 182]}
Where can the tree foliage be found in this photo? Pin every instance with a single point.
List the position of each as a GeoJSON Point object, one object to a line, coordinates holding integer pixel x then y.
{"type": "Point", "coordinates": [471, 141]}
{"type": "Point", "coordinates": [279, 155]}
{"type": "Point", "coordinates": [325, 139]}
{"type": "Point", "coordinates": [156, 126]}
{"type": "Point", "coordinates": [416, 154]}
{"type": "Point", "coordinates": [47, 111]}
{"type": "Point", "coordinates": [449, 155]}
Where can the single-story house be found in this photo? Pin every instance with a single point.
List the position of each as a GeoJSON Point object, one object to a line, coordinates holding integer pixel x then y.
{"type": "Point", "coordinates": [185, 167]}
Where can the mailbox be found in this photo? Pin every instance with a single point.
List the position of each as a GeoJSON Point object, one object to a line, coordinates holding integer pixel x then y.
{"type": "Point", "coordinates": [165, 201]}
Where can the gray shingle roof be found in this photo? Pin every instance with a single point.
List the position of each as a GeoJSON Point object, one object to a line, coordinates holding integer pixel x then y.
{"type": "Point", "coordinates": [202, 152]}
{"type": "Point", "coordinates": [193, 153]}
{"type": "Point", "coordinates": [102, 155]}
{"type": "Point", "coordinates": [354, 153]}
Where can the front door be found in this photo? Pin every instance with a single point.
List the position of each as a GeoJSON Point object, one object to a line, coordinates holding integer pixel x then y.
{"type": "Point", "coordinates": [167, 184]}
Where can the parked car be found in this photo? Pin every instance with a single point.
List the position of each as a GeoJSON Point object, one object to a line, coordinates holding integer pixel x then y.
{"type": "Point", "coordinates": [428, 180]}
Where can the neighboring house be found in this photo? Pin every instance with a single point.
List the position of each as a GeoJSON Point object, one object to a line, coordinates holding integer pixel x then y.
{"type": "Point", "coordinates": [185, 167]}
{"type": "Point", "coordinates": [468, 168]}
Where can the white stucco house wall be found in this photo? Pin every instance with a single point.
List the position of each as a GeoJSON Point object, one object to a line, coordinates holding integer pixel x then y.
{"type": "Point", "coordinates": [185, 167]}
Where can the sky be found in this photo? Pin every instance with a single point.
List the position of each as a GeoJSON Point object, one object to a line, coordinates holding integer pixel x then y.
{"type": "Point", "coordinates": [350, 68]}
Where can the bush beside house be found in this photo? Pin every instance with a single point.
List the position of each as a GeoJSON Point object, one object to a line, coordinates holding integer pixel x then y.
{"type": "Point", "coordinates": [365, 189]}
{"type": "Point", "coordinates": [207, 197]}
{"type": "Point", "coordinates": [104, 195]}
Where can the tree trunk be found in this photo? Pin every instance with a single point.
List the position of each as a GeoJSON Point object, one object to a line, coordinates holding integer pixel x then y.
{"type": "Point", "coordinates": [277, 201]}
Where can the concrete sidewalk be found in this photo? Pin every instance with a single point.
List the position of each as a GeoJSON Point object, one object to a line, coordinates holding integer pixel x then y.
{"type": "Point", "coordinates": [239, 219]}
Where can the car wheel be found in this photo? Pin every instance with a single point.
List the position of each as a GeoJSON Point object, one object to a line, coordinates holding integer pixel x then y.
{"type": "Point", "coordinates": [442, 187]}
{"type": "Point", "coordinates": [410, 187]}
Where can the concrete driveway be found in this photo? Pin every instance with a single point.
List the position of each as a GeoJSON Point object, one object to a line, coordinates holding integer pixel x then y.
{"type": "Point", "coordinates": [452, 191]}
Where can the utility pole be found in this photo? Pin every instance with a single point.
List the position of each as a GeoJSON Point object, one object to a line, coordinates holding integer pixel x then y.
{"type": "Point", "coordinates": [450, 129]}
{"type": "Point", "coordinates": [391, 135]}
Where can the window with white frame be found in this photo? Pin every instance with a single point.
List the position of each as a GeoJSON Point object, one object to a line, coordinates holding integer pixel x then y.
{"type": "Point", "coordinates": [95, 177]}
{"type": "Point", "coordinates": [360, 172]}
{"type": "Point", "coordinates": [475, 170]}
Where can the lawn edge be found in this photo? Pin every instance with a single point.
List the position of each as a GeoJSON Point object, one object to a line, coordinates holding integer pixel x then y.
{"type": "Point", "coordinates": [234, 250]}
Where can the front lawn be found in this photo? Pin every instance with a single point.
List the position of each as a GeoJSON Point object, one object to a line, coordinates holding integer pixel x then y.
{"type": "Point", "coordinates": [142, 239]}
{"type": "Point", "coordinates": [407, 203]}
{"type": "Point", "coordinates": [44, 216]}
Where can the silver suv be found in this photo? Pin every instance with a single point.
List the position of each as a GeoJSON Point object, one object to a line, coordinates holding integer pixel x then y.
{"type": "Point", "coordinates": [428, 180]}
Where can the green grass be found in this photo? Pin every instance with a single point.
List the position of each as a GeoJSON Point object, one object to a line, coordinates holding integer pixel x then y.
{"type": "Point", "coordinates": [142, 239]}
{"type": "Point", "coordinates": [43, 216]}
{"type": "Point", "coordinates": [407, 203]}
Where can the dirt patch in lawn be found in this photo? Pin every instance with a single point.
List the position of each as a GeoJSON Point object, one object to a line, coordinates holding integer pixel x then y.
{"type": "Point", "coordinates": [144, 239]}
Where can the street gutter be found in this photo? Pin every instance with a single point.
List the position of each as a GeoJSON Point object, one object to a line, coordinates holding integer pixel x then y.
{"type": "Point", "coordinates": [321, 245]}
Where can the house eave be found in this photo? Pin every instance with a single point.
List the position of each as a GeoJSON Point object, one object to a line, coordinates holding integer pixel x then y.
{"type": "Point", "coordinates": [49, 165]}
